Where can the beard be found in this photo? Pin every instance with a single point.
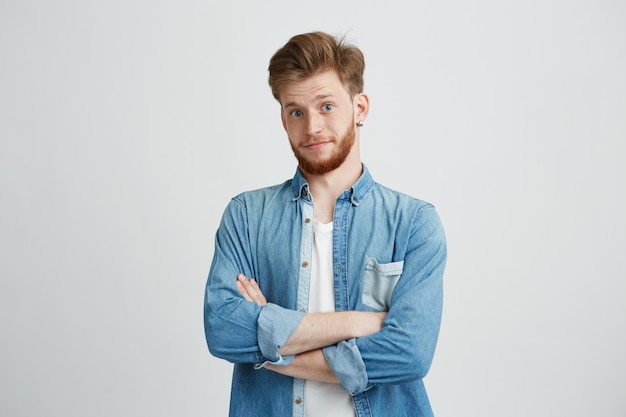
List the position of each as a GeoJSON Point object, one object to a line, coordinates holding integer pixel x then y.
{"type": "Point", "coordinates": [316, 166]}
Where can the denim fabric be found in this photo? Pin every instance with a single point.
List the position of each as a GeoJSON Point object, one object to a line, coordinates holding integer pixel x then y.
{"type": "Point", "coordinates": [389, 253]}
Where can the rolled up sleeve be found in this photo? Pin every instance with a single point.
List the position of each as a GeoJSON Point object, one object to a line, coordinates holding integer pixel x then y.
{"type": "Point", "coordinates": [274, 326]}
{"type": "Point", "coordinates": [345, 360]}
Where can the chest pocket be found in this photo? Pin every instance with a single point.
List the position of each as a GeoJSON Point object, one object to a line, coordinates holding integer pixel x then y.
{"type": "Point", "coordinates": [379, 282]}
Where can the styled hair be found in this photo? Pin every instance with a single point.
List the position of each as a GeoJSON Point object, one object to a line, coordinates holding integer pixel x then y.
{"type": "Point", "coordinates": [310, 53]}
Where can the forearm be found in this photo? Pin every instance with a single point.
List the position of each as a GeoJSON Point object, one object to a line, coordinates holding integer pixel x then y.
{"type": "Point", "coordinates": [308, 365]}
{"type": "Point", "coordinates": [318, 330]}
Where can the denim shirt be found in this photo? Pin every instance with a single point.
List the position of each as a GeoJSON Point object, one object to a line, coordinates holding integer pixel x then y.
{"type": "Point", "coordinates": [389, 253]}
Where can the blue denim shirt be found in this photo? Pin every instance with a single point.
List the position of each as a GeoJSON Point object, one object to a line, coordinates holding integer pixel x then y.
{"type": "Point", "coordinates": [389, 253]}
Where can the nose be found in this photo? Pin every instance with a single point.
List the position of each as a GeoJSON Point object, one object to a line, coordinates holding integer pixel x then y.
{"type": "Point", "coordinates": [315, 124]}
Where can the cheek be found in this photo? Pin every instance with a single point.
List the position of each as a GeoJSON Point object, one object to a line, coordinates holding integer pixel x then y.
{"type": "Point", "coordinates": [293, 129]}
{"type": "Point", "coordinates": [292, 133]}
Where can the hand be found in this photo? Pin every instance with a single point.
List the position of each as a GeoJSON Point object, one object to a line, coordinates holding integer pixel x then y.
{"type": "Point", "coordinates": [250, 290]}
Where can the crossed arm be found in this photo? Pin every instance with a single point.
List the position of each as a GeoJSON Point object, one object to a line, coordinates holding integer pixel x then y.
{"type": "Point", "coordinates": [316, 330]}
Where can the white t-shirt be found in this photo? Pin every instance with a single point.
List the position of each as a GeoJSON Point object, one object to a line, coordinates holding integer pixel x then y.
{"type": "Point", "coordinates": [322, 399]}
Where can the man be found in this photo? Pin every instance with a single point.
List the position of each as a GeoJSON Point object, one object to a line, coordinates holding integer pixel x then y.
{"type": "Point", "coordinates": [325, 291]}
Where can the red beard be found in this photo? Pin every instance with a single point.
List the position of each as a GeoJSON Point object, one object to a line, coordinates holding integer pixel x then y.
{"type": "Point", "coordinates": [334, 161]}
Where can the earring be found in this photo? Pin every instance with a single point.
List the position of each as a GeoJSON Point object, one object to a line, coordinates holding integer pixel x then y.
{"type": "Point", "coordinates": [360, 123]}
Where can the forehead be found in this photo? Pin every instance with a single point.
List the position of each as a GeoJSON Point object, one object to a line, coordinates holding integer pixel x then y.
{"type": "Point", "coordinates": [317, 87]}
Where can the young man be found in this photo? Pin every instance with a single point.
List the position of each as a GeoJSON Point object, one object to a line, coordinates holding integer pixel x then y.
{"type": "Point", "coordinates": [325, 291]}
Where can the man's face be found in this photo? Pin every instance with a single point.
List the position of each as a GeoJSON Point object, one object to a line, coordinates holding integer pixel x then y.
{"type": "Point", "coordinates": [318, 115]}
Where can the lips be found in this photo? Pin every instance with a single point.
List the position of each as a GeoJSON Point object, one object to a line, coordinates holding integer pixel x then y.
{"type": "Point", "coordinates": [316, 145]}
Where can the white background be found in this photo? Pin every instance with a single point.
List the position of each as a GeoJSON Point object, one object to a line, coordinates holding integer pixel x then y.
{"type": "Point", "coordinates": [126, 126]}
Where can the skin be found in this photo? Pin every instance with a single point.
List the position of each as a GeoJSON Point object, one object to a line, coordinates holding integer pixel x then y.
{"type": "Point", "coordinates": [315, 331]}
{"type": "Point", "coordinates": [320, 119]}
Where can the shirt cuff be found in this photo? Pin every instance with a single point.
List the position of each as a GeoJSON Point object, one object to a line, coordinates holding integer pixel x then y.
{"type": "Point", "coordinates": [274, 326]}
{"type": "Point", "coordinates": [345, 360]}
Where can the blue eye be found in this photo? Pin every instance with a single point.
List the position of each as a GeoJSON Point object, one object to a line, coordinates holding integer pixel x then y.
{"type": "Point", "coordinates": [296, 113]}
{"type": "Point", "coordinates": [328, 107]}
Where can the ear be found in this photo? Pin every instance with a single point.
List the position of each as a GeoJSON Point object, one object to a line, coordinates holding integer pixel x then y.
{"type": "Point", "coordinates": [361, 107]}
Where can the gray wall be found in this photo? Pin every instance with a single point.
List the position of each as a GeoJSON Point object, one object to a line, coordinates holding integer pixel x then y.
{"type": "Point", "coordinates": [126, 126]}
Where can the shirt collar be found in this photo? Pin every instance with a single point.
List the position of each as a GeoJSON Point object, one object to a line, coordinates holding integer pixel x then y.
{"type": "Point", "coordinates": [355, 194]}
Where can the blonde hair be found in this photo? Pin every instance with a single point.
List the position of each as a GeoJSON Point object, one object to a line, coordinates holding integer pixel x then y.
{"type": "Point", "coordinates": [310, 53]}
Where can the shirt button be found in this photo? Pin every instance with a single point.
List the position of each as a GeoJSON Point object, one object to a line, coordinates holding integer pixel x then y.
{"type": "Point", "coordinates": [355, 199]}
{"type": "Point", "coordinates": [304, 193]}
{"type": "Point", "coordinates": [298, 401]}
{"type": "Point", "coordinates": [307, 220]}
{"type": "Point", "coordinates": [305, 264]}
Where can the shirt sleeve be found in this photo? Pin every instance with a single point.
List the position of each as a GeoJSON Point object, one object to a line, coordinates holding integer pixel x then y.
{"type": "Point", "coordinates": [238, 330]}
{"type": "Point", "coordinates": [404, 348]}
{"type": "Point", "coordinates": [345, 360]}
{"type": "Point", "coordinates": [275, 325]}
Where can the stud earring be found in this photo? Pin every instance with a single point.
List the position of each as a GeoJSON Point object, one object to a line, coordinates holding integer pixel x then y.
{"type": "Point", "coordinates": [359, 123]}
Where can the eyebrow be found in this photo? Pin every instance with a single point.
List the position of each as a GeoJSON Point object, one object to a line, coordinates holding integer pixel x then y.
{"type": "Point", "coordinates": [319, 97]}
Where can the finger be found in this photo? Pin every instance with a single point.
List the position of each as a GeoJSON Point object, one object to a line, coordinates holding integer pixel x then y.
{"type": "Point", "coordinates": [243, 291]}
{"type": "Point", "coordinates": [254, 285]}
{"type": "Point", "coordinates": [258, 293]}
{"type": "Point", "coordinates": [250, 290]}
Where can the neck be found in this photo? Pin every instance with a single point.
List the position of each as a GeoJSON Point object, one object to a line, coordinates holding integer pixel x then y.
{"type": "Point", "coordinates": [335, 182]}
{"type": "Point", "coordinates": [327, 187]}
